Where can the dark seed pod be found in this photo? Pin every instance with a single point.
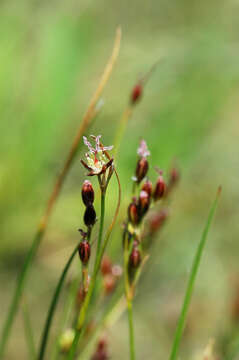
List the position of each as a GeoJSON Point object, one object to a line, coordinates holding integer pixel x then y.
{"type": "Point", "coordinates": [135, 258]}
{"type": "Point", "coordinates": [148, 187]}
{"type": "Point", "coordinates": [90, 216]}
{"type": "Point", "coordinates": [159, 188]}
{"type": "Point", "coordinates": [87, 193]}
{"type": "Point", "coordinates": [141, 169]}
{"type": "Point", "coordinates": [84, 251]}
{"type": "Point", "coordinates": [133, 213]}
{"type": "Point", "coordinates": [144, 202]}
{"type": "Point", "coordinates": [136, 93]}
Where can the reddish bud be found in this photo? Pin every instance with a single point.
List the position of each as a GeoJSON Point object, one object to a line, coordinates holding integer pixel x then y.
{"type": "Point", "coordinates": [135, 258]}
{"type": "Point", "coordinates": [148, 187]}
{"type": "Point", "coordinates": [144, 202]}
{"type": "Point", "coordinates": [87, 193]}
{"type": "Point", "coordinates": [136, 93]}
{"type": "Point", "coordinates": [109, 283]}
{"type": "Point", "coordinates": [157, 220]}
{"type": "Point", "coordinates": [90, 216]}
{"type": "Point", "coordinates": [159, 188]}
{"type": "Point", "coordinates": [141, 169]}
{"type": "Point", "coordinates": [101, 352]}
{"type": "Point", "coordinates": [84, 251]}
{"type": "Point", "coordinates": [106, 266]}
{"type": "Point", "coordinates": [133, 213]}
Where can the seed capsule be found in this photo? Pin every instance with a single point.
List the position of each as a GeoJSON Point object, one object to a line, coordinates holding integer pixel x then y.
{"type": "Point", "coordinates": [84, 251]}
{"type": "Point", "coordinates": [87, 193]}
{"type": "Point", "coordinates": [136, 93]}
{"type": "Point", "coordinates": [133, 213]}
{"type": "Point", "coordinates": [148, 187]}
{"type": "Point", "coordinates": [159, 188]}
{"type": "Point", "coordinates": [90, 216]}
{"type": "Point", "coordinates": [144, 202]}
{"type": "Point", "coordinates": [141, 169]}
{"type": "Point", "coordinates": [106, 266]}
{"type": "Point", "coordinates": [135, 258]}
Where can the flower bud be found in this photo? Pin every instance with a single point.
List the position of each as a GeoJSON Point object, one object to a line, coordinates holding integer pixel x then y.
{"type": "Point", "coordinates": [84, 251]}
{"type": "Point", "coordinates": [133, 213]}
{"type": "Point", "coordinates": [159, 188]}
{"type": "Point", "coordinates": [136, 93]}
{"type": "Point", "coordinates": [141, 169]}
{"type": "Point", "coordinates": [87, 193]}
{"type": "Point", "coordinates": [157, 220]}
{"type": "Point", "coordinates": [101, 352]}
{"type": "Point", "coordinates": [135, 258]}
{"type": "Point", "coordinates": [89, 216]}
{"type": "Point", "coordinates": [106, 266]}
{"type": "Point", "coordinates": [109, 283]}
{"type": "Point", "coordinates": [144, 202]}
{"type": "Point", "coordinates": [66, 340]}
{"type": "Point", "coordinates": [148, 187]}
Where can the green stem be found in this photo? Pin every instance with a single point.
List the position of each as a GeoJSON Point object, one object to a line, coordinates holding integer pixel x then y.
{"type": "Point", "coordinates": [131, 329]}
{"type": "Point", "coordinates": [53, 305]}
{"type": "Point", "coordinates": [191, 281]}
{"type": "Point", "coordinates": [29, 331]}
{"type": "Point", "coordinates": [18, 291]}
{"type": "Point", "coordinates": [86, 303]}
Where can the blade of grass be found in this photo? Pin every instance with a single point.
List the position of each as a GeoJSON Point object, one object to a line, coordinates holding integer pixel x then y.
{"type": "Point", "coordinates": [191, 281]}
{"type": "Point", "coordinates": [53, 305]}
{"type": "Point", "coordinates": [28, 331]}
{"type": "Point", "coordinates": [90, 113]}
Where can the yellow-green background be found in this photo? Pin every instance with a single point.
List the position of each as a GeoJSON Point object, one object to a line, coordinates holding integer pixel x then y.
{"type": "Point", "coordinates": [52, 54]}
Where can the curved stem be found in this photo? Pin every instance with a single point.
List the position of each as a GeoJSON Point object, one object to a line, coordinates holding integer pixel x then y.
{"type": "Point", "coordinates": [191, 281]}
{"type": "Point", "coordinates": [90, 113]}
{"type": "Point", "coordinates": [53, 305]}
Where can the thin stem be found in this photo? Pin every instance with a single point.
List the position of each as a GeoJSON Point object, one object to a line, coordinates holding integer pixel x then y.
{"type": "Point", "coordinates": [121, 129]}
{"type": "Point", "coordinates": [29, 331]}
{"type": "Point", "coordinates": [191, 281]}
{"type": "Point", "coordinates": [99, 255]}
{"type": "Point", "coordinates": [53, 305]}
{"type": "Point", "coordinates": [90, 113]}
{"type": "Point", "coordinates": [131, 329]}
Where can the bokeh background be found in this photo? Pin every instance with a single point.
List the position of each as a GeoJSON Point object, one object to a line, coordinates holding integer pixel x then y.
{"type": "Point", "coordinates": [52, 54]}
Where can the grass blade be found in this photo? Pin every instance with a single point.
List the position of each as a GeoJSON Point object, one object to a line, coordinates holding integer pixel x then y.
{"type": "Point", "coordinates": [191, 282]}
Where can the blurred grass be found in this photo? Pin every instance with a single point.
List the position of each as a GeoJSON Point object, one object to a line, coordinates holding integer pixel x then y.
{"type": "Point", "coordinates": [51, 55]}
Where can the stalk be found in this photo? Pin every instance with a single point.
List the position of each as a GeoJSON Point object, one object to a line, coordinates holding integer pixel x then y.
{"type": "Point", "coordinates": [191, 281]}
{"type": "Point", "coordinates": [89, 114]}
{"type": "Point", "coordinates": [53, 305]}
{"type": "Point", "coordinates": [29, 331]}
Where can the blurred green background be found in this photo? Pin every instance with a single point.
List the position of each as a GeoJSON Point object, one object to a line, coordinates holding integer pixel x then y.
{"type": "Point", "coordinates": [52, 54]}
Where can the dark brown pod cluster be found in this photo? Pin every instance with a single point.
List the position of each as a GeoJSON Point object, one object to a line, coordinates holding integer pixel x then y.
{"type": "Point", "coordinates": [141, 169]}
{"type": "Point", "coordinates": [84, 251]}
{"type": "Point", "coordinates": [138, 208]}
{"type": "Point", "coordinates": [87, 194]}
{"type": "Point", "coordinates": [160, 188]}
{"type": "Point", "coordinates": [148, 187]}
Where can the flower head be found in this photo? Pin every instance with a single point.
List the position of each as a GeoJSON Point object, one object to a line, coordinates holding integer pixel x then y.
{"type": "Point", "coordinates": [97, 159]}
{"type": "Point", "coordinates": [143, 150]}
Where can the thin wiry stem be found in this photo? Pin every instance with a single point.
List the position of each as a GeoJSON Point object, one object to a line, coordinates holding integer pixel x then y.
{"type": "Point", "coordinates": [90, 113]}
{"type": "Point", "coordinates": [53, 305]}
{"type": "Point", "coordinates": [83, 312]}
{"type": "Point", "coordinates": [28, 331]}
{"type": "Point", "coordinates": [191, 281]}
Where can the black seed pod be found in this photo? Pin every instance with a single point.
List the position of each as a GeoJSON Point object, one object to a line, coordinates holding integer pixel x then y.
{"type": "Point", "coordinates": [87, 193]}
{"type": "Point", "coordinates": [141, 169]}
{"type": "Point", "coordinates": [148, 187]}
{"type": "Point", "coordinates": [133, 213]}
{"type": "Point", "coordinates": [135, 258]}
{"type": "Point", "coordinates": [144, 202]}
{"type": "Point", "coordinates": [90, 216]}
{"type": "Point", "coordinates": [84, 251]}
{"type": "Point", "coordinates": [159, 188]}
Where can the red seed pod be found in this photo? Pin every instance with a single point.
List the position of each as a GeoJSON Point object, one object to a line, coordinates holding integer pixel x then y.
{"type": "Point", "coordinates": [87, 193]}
{"type": "Point", "coordinates": [159, 188]}
{"type": "Point", "coordinates": [157, 220]}
{"type": "Point", "coordinates": [144, 202]}
{"type": "Point", "coordinates": [84, 251]}
{"type": "Point", "coordinates": [133, 213]}
{"type": "Point", "coordinates": [109, 283]}
{"type": "Point", "coordinates": [101, 352]}
{"type": "Point", "coordinates": [141, 169]}
{"type": "Point", "coordinates": [136, 93]}
{"type": "Point", "coordinates": [89, 216]}
{"type": "Point", "coordinates": [106, 266]}
{"type": "Point", "coordinates": [135, 258]}
{"type": "Point", "coordinates": [148, 187]}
